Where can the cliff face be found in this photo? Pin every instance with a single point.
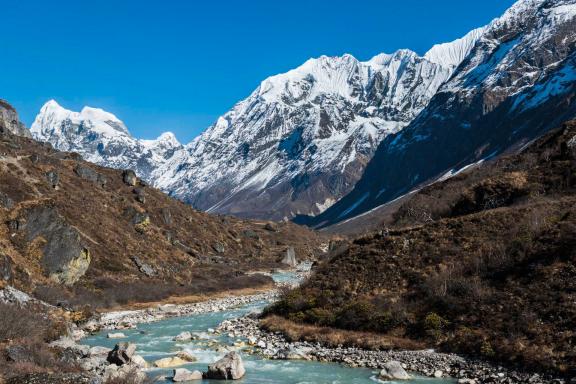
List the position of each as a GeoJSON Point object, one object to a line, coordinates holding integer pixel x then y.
{"type": "Point", "coordinates": [9, 120]}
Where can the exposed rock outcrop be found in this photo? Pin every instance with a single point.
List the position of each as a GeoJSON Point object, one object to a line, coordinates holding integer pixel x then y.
{"type": "Point", "coordinates": [64, 257]}
{"type": "Point", "coordinates": [230, 367]}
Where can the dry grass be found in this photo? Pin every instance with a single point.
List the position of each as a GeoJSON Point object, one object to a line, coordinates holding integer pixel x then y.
{"type": "Point", "coordinates": [334, 337]}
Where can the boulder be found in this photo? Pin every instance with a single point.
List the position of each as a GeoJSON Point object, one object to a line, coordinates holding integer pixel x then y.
{"type": "Point", "coordinates": [5, 267]}
{"type": "Point", "coordinates": [166, 216]}
{"type": "Point", "coordinates": [183, 336]}
{"type": "Point", "coordinates": [64, 257]}
{"type": "Point", "coordinates": [290, 258]}
{"type": "Point", "coordinates": [182, 374]}
{"type": "Point", "coordinates": [129, 177]}
{"type": "Point", "coordinates": [140, 195]}
{"type": "Point", "coordinates": [272, 227]}
{"type": "Point", "coordinates": [98, 351]}
{"type": "Point", "coordinates": [219, 247]}
{"type": "Point", "coordinates": [139, 361]}
{"type": "Point", "coordinates": [125, 373]}
{"type": "Point", "coordinates": [169, 362]}
{"type": "Point", "coordinates": [5, 201]}
{"type": "Point", "coordinates": [393, 371]}
{"type": "Point", "coordinates": [89, 174]}
{"type": "Point", "coordinates": [53, 178]}
{"type": "Point", "coordinates": [116, 335]}
{"type": "Point", "coordinates": [230, 367]}
{"type": "Point", "coordinates": [187, 356]}
{"type": "Point", "coordinates": [121, 354]}
{"type": "Point", "coordinates": [145, 268]}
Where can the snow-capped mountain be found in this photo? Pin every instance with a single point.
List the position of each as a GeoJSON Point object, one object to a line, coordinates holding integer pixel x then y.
{"type": "Point", "coordinates": [101, 138]}
{"type": "Point", "coordinates": [296, 145]}
{"type": "Point", "coordinates": [302, 139]}
{"type": "Point", "coordinates": [517, 82]}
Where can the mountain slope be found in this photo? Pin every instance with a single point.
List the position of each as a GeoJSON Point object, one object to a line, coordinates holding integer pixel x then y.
{"type": "Point", "coordinates": [74, 232]}
{"type": "Point", "coordinates": [483, 264]}
{"type": "Point", "coordinates": [518, 81]}
{"type": "Point", "coordinates": [296, 145]}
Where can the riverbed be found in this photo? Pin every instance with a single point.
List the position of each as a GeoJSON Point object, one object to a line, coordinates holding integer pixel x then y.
{"type": "Point", "coordinates": [155, 341]}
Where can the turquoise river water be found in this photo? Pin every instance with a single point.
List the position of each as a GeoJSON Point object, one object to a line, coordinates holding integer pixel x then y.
{"type": "Point", "coordinates": [155, 341]}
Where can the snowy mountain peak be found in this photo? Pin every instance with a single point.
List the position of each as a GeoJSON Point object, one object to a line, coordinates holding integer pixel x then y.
{"type": "Point", "coordinates": [453, 53]}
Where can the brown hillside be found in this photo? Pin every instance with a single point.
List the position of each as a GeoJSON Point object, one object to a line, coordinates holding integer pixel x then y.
{"type": "Point", "coordinates": [77, 233]}
{"type": "Point", "coordinates": [483, 263]}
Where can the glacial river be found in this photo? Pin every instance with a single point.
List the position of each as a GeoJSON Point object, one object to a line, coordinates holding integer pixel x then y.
{"type": "Point", "coordinates": [155, 341]}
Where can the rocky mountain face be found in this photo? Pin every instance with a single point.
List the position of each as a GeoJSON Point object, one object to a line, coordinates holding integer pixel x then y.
{"type": "Point", "coordinates": [9, 120]}
{"type": "Point", "coordinates": [80, 234]}
{"type": "Point", "coordinates": [296, 145]}
{"type": "Point", "coordinates": [517, 82]}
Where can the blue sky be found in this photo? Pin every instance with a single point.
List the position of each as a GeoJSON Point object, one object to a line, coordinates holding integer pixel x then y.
{"type": "Point", "coordinates": [177, 65]}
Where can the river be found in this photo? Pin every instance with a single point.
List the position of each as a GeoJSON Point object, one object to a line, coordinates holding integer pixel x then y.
{"type": "Point", "coordinates": [155, 341]}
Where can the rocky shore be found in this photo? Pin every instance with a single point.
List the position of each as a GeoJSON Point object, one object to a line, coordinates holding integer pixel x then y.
{"type": "Point", "coordinates": [275, 346]}
{"type": "Point", "coordinates": [425, 363]}
{"type": "Point", "coordinates": [129, 319]}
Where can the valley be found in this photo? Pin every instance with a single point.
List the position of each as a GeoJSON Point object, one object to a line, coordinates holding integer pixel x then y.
{"type": "Point", "coordinates": [406, 217]}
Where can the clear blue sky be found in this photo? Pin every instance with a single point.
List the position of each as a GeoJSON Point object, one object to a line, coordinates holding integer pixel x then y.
{"type": "Point", "coordinates": [177, 65]}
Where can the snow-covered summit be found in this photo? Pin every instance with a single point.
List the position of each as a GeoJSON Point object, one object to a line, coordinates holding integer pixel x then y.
{"type": "Point", "coordinates": [102, 138]}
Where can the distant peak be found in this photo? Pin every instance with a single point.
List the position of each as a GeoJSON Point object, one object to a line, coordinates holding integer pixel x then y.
{"type": "Point", "coordinates": [90, 113]}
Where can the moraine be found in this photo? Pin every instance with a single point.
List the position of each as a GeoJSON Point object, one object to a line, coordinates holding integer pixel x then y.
{"type": "Point", "coordinates": [154, 341]}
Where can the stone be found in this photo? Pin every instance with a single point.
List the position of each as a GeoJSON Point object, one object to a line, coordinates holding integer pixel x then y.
{"type": "Point", "coordinates": [53, 178]}
{"type": "Point", "coordinates": [169, 362]}
{"type": "Point", "coordinates": [182, 374]}
{"type": "Point", "coordinates": [6, 201]}
{"type": "Point", "coordinates": [166, 216]}
{"type": "Point", "coordinates": [5, 267]}
{"type": "Point", "coordinates": [438, 374]}
{"type": "Point", "coordinates": [183, 336]}
{"type": "Point", "coordinates": [187, 356]}
{"type": "Point", "coordinates": [91, 175]}
{"type": "Point", "coordinates": [393, 371]}
{"type": "Point", "coordinates": [290, 258]}
{"type": "Point", "coordinates": [129, 177]}
{"type": "Point", "coordinates": [271, 227]}
{"type": "Point", "coordinates": [121, 354]}
{"type": "Point", "coordinates": [230, 367]}
{"type": "Point", "coordinates": [125, 373]}
{"type": "Point", "coordinates": [219, 247]}
{"type": "Point", "coordinates": [64, 257]}
{"type": "Point", "coordinates": [145, 268]}
{"type": "Point", "coordinates": [19, 354]}
{"type": "Point", "coordinates": [116, 335]}
{"type": "Point", "coordinates": [140, 195]}
{"type": "Point", "coordinates": [261, 344]}
{"type": "Point", "coordinates": [139, 361]}
{"type": "Point", "coordinates": [98, 351]}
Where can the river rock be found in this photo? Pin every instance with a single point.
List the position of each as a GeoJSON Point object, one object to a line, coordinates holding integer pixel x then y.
{"type": "Point", "coordinates": [183, 336]}
{"type": "Point", "coordinates": [139, 361]}
{"type": "Point", "coordinates": [182, 374]}
{"type": "Point", "coordinates": [290, 258]}
{"type": "Point", "coordinates": [169, 362]}
{"type": "Point", "coordinates": [122, 353]}
{"type": "Point", "coordinates": [126, 373]}
{"type": "Point", "coordinates": [393, 371]}
{"type": "Point", "coordinates": [187, 356]}
{"type": "Point", "coordinates": [117, 335]}
{"type": "Point", "coordinates": [230, 367]}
